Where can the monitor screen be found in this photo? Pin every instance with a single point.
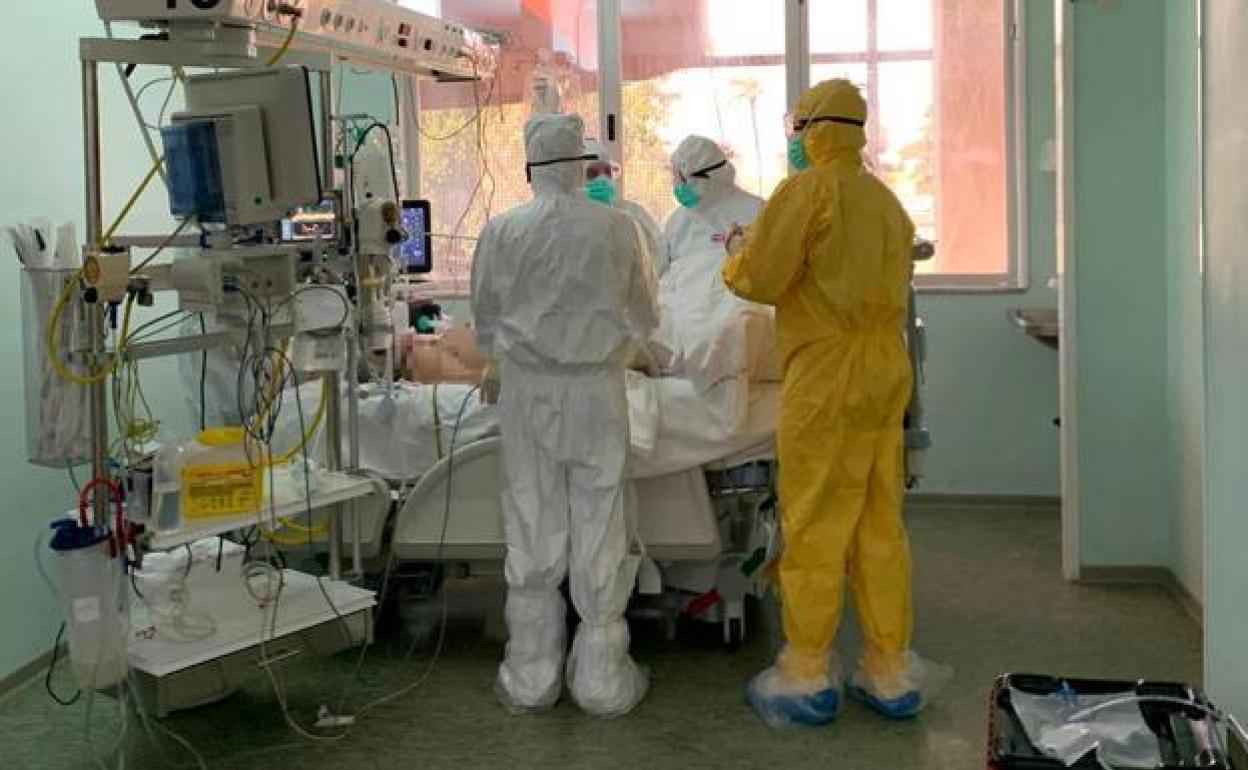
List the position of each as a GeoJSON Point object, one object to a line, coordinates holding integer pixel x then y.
{"type": "Point", "coordinates": [415, 253]}
{"type": "Point", "coordinates": [310, 222]}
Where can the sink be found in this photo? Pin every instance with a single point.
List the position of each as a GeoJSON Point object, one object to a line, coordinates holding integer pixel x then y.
{"type": "Point", "coordinates": [1041, 324]}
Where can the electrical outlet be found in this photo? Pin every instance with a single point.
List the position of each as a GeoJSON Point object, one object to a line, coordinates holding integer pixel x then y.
{"type": "Point", "coordinates": [266, 274]}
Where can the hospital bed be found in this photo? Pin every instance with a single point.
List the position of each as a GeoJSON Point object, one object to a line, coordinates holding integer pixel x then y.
{"type": "Point", "coordinates": [702, 527]}
{"type": "Point", "coordinates": [447, 499]}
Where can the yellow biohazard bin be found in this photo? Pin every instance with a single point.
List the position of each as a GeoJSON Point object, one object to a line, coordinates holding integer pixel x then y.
{"type": "Point", "coordinates": [218, 478]}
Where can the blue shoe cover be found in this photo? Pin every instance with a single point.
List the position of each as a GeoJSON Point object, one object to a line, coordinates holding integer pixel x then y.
{"type": "Point", "coordinates": [902, 693]}
{"type": "Point", "coordinates": [782, 705]}
{"type": "Point", "coordinates": [906, 706]}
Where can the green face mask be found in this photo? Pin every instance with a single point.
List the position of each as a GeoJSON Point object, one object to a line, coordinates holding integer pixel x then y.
{"type": "Point", "coordinates": [797, 153]}
{"type": "Point", "coordinates": [686, 195]}
{"type": "Point", "coordinates": [601, 189]}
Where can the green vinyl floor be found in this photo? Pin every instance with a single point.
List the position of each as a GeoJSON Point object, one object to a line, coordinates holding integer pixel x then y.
{"type": "Point", "coordinates": [989, 598]}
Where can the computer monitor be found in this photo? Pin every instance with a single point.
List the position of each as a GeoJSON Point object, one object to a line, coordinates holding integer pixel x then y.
{"type": "Point", "coordinates": [416, 252]}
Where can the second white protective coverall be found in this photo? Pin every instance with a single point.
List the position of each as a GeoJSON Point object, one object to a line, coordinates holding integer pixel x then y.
{"type": "Point", "coordinates": [721, 203]}
{"type": "Point", "coordinates": [558, 295]}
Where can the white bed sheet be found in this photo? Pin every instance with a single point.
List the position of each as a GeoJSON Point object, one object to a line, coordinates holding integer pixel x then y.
{"type": "Point", "coordinates": [673, 428]}
{"type": "Point", "coordinates": [720, 399]}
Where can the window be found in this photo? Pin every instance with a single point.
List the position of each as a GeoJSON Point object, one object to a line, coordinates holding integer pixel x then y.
{"type": "Point", "coordinates": [936, 75]}
{"type": "Point", "coordinates": [471, 135]}
{"type": "Point", "coordinates": [428, 7]}
{"type": "Point", "coordinates": [687, 69]}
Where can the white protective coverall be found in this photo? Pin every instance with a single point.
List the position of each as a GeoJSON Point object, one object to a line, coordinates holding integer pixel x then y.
{"type": "Point", "coordinates": [721, 203]}
{"type": "Point", "coordinates": [220, 383]}
{"type": "Point", "coordinates": [559, 295]}
{"type": "Point", "coordinates": [652, 236]}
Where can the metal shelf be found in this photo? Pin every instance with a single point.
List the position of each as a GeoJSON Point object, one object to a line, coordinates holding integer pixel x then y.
{"type": "Point", "coordinates": [242, 623]}
{"type": "Point", "coordinates": [288, 499]}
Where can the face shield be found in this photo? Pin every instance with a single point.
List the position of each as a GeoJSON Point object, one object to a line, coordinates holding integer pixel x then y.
{"type": "Point", "coordinates": [601, 169]}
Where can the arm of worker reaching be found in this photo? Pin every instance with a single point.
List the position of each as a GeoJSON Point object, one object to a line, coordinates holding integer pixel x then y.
{"type": "Point", "coordinates": [769, 257]}
{"type": "Point", "coordinates": [486, 307]}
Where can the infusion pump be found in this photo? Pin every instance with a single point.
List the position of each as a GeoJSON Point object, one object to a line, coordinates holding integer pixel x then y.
{"type": "Point", "coordinates": [376, 25]}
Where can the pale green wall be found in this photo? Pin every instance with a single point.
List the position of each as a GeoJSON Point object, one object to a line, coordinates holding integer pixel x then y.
{"type": "Point", "coordinates": [1120, 280]}
{"type": "Point", "coordinates": [991, 391]}
{"type": "Point", "coordinates": [43, 165]}
{"type": "Point", "coordinates": [1185, 343]}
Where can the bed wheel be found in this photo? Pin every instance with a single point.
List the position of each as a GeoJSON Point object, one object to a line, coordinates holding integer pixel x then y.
{"type": "Point", "coordinates": [734, 633]}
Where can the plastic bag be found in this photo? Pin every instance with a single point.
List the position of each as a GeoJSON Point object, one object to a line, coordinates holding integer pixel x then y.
{"type": "Point", "coordinates": [1119, 733]}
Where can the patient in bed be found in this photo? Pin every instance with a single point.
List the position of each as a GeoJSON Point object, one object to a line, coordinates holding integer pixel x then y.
{"type": "Point", "coordinates": [703, 387]}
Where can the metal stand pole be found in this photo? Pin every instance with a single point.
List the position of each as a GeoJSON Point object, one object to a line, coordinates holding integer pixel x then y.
{"type": "Point", "coordinates": [333, 392]}
{"type": "Point", "coordinates": [333, 455]}
{"type": "Point", "coordinates": [95, 312]}
{"type": "Point", "coordinates": [353, 458]}
{"type": "Point", "coordinates": [353, 349]}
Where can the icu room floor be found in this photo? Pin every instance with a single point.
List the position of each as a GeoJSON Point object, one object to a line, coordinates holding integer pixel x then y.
{"type": "Point", "coordinates": [989, 599]}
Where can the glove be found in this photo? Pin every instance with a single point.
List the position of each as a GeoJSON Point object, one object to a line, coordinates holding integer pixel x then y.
{"type": "Point", "coordinates": [642, 360]}
{"type": "Point", "coordinates": [732, 241]}
{"type": "Point", "coordinates": [491, 384]}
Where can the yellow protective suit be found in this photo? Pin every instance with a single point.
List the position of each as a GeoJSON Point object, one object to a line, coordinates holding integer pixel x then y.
{"type": "Point", "coordinates": [831, 251]}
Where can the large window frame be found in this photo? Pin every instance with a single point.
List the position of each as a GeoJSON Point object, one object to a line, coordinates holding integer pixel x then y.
{"type": "Point", "coordinates": [798, 62]}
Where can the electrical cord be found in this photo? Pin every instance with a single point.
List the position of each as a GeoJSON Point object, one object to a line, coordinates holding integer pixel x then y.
{"type": "Point", "coordinates": [439, 645]}
{"type": "Point", "coordinates": [123, 74]}
{"type": "Point", "coordinates": [47, 677]}
{"type": "Point", "coordinates": [359, 145]}
{"type": "Point", "coordinates": [143, 89]}
{"type": "Point", "coordinates": [307, 490]}
{"type": "Point", "coordinates": [52, 330]}
{"type": "Point", "coordinates": [164, 245]}
{"type": "Point", "coordinates": [148, 723]}
{"type": "Point", "coordinates": [203, 387]}
{"type": "Point", "coordinates": [280, 53]}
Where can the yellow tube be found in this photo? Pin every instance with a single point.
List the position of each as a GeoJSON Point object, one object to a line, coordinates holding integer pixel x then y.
{"type": "Point", "coordinates": [54, 321]}
{"type": "Point", "coordinates": [290, 38]}
{"type": "Point", "coordinates": [310, 431]}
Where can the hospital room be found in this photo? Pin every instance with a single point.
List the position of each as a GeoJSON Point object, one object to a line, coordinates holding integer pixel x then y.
{"type": "Point", "coordinates": [620, 383]}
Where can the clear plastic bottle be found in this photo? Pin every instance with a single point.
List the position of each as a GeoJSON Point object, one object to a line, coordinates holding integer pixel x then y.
{"type": "Point", "coordinates": [94, 602]}
{"type": "Point", "coordinates": [167, 487]}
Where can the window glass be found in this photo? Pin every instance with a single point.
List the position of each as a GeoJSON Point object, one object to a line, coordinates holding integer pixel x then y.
{"type": "Point", "coordinates": [471, 135]}
{"type": "Point", "coordinates": [934, 74]}
{"type": "Point", "coordinates": [688, 69]}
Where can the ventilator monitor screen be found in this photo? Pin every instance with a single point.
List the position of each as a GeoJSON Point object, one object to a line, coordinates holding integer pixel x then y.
{"type": "Point", "coordinates": [416, 253]}
{"type": "Point", "coordinates": [310, 222]}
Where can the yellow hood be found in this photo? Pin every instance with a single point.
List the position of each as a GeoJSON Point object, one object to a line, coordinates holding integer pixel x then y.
{"type": "Point", "coordinates": [826, 142]}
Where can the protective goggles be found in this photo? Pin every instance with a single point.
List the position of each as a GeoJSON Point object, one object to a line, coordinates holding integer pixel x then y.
{"type": "Point", "coordinates": [704, 173]}
{"type": "Point", "coordinates": [795, 125]}
{"type": "Point", "coordinates": [602, 168]}
{"type": "Point", "coordinates": [528, 167]}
